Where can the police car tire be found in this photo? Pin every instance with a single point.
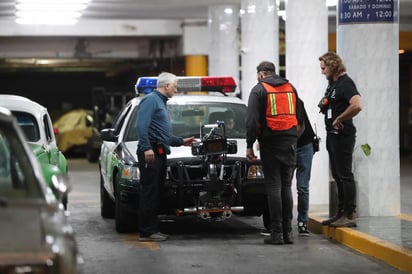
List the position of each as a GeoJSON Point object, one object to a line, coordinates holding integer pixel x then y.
{"type": "Point", "coordinates": [106, 203]}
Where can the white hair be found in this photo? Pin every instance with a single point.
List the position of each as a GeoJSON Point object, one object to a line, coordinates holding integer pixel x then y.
{"type": "Point", "coordinates": [165, 78]}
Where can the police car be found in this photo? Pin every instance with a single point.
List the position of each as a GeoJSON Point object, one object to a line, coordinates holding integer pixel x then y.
{"type": "Point", "coordinates": [211, 179]}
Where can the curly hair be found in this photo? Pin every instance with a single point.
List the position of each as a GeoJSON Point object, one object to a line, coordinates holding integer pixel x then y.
{"type": "Point", "coordinates": [334, 62]}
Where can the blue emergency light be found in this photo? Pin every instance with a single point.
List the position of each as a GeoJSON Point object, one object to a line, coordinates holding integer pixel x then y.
{"type": "Point", "coordinates": [223, 84]}
{"type": "Point", "coordinates": [145, 85]}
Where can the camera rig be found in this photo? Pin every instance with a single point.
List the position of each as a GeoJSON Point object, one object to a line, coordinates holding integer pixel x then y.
{"type": "Point", "coordinates": [217, 198]}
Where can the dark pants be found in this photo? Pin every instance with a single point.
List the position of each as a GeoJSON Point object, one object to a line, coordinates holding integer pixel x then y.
{"type": "Point", "coordinates": [152, 178]}
{"type": "Point", "coordinates": [278, 166]}
{"type": "Point", "coordinates": [340, 148]}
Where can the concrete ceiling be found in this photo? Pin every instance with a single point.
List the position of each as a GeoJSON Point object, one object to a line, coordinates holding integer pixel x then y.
{"type": "Point", "coordinates": [136, 9]}
{"type": "Point", "coordinates": [175, 10]}
{"type": "Point", "coordinates": [167, 9]}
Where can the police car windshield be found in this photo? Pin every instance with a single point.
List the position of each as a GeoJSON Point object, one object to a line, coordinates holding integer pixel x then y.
{"type": "Point", "coordinates": [186, 119]}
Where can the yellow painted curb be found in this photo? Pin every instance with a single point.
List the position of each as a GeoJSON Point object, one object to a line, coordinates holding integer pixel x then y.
{"type": "Point", "coordinates": [406, 217]}
{"type": "Point", "coordinates": [391, 254]}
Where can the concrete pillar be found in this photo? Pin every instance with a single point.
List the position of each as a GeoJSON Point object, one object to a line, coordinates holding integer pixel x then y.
{"type": "Point", "coordinates": [195, 47]}
{"type": "Point", "coordinates": [306, 40]}
{"type": "Point", "coordinates": [367, 41]}
{"type": "Point", "coordinates": [224, 41]}
{"type": "Point", "coordinates": [260, 39]}
{"type": "Point", "coordinates": [196, 65]}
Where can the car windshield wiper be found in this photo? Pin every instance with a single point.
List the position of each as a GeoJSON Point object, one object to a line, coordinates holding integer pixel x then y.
{"type": "Point", "coordinates": [3, 202]}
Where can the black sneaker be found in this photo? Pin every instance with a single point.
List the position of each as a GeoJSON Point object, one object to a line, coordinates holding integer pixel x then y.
{"type": "Point", "coordinates": [274, 239]}
{"type": "Point", "coordinates": [265, 232]}
{"type": "Point", "coordinates": [303, 230]}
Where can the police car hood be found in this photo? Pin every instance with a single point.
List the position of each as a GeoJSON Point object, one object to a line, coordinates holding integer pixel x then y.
{"type": "Point", "coordinates": [186, 151]}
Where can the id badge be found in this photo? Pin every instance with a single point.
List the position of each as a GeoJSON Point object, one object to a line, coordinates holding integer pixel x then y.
{"type": "Point", "coordinates": [329, 113]}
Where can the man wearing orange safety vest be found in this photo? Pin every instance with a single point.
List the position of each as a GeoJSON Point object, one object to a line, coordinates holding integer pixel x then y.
{"type": "Point", "coordinates": [272, 118]}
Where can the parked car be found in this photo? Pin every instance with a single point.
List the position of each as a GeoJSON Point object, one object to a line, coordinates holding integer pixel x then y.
{"type": "Point", "coordinates": [37, 127]}
{"type": "Point", "coordinates": [75, 128]}
{"type": "Point", "coordinates": [36, 236]}
{"type": "Point", "coordinates": [211, 179]}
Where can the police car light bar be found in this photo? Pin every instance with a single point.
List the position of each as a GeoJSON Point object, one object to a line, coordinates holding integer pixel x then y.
{"type": "Point", "coordinates": [145, 85]}
{"type": "Point", "coordinates": [223, 84]}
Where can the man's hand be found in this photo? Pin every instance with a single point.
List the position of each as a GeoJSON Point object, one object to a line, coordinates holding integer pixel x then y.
{"type": "Point", "coordinates": [355, 106]}
{"type": "Point", "coordinates": [149, 156]}
{"type": "Point", "coordinates": [250, 155]}
{"type": "Point", "coordinates": [337, 123]}
{"type": "Point", "coordinates": [188, 141]}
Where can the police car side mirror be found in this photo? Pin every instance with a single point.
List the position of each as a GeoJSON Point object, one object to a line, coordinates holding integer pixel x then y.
{"type": "Point", "coordinates": [107, 134]}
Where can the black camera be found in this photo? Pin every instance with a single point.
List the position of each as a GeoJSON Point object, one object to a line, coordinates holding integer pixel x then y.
{"type": "Point", "coordinates": [214, 142]}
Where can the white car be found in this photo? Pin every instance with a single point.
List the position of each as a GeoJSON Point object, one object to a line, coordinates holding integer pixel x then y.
{"type": "Point", "coordinates": [37, 127]}
{"type": "Point", "coordinates": [211, 179]}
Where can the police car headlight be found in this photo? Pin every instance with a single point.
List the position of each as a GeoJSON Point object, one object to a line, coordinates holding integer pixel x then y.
{"type": "Point", "coordinates": [131, 173]}
{"type": "Point", "coordinates": [255, 172]}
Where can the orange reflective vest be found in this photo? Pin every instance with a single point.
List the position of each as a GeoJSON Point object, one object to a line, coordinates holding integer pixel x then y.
{"type": "Point", "coordinates": [281, 107]}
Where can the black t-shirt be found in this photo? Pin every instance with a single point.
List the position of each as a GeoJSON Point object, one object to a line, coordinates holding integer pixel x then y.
{"type": "Point", "coordinates": [340, 93]}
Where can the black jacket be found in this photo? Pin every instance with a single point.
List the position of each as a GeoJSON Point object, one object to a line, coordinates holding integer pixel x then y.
{"type": "Point", "coordinates": [308, 134]}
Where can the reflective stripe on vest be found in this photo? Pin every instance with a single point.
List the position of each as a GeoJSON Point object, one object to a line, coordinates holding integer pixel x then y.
{"type": "Point", "coordinates": [281, 107]}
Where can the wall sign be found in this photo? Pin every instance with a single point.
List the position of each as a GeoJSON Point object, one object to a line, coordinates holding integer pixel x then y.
{"type": "Point", "coordinates": [367, 11]}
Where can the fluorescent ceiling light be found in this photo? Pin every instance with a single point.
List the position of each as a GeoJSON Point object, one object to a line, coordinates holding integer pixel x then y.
{"type": "Point", "coordinates": [251, 9]}
{"type": "Point", "coordinates": [228, 11]}
{"type": "Point", "coordinates": [49, 11]}
{"type": "Point", "coordinates": [52, 6]}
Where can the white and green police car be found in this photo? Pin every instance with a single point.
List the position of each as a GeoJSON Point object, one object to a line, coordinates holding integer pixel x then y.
{"type": "Point", "coordinates": [211, 179]}
{"type": "Point", "coordinates": [34, 120]}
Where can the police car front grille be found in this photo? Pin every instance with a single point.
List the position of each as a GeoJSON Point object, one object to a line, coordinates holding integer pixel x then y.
{"type": "Point", "coordinates": [192, 174]}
